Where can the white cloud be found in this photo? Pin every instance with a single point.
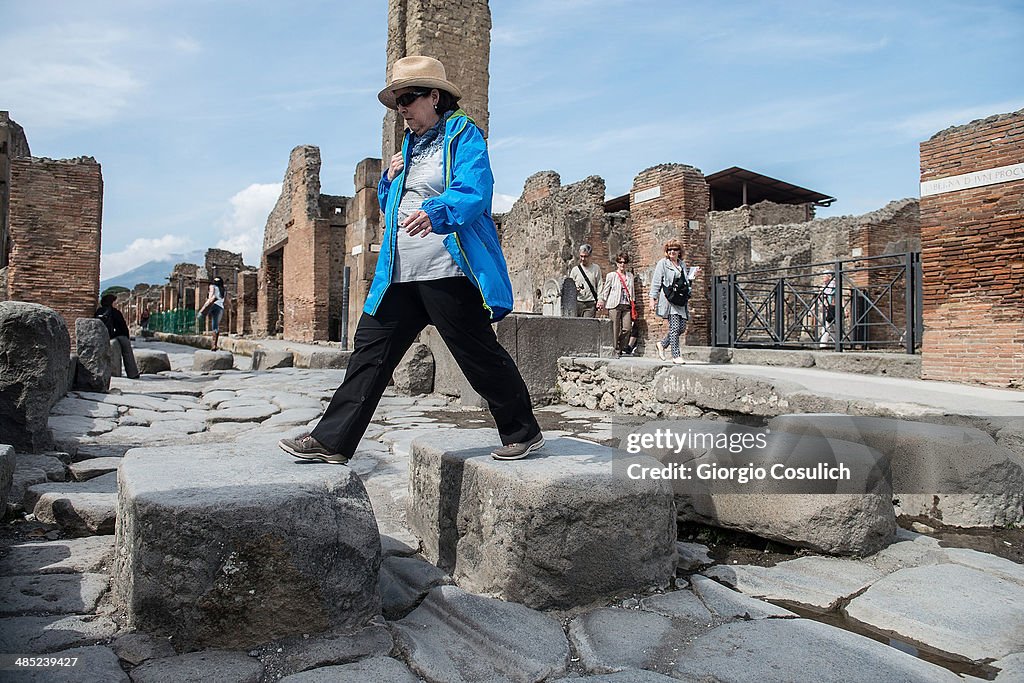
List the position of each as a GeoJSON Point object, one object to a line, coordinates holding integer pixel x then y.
{"type": "Point", "coordinates": [142, 250]}
{"type": "Point", "coordinates": [925, 124]}
{"type": "Point", "coordinates": [242, 231]}
{"type": "Point", "coordinates": [66, 74]}
{"type": "Point", "coordinates": [502, 203]}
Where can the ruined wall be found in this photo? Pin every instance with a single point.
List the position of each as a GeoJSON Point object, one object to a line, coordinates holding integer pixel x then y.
{"type": "Point", "coordinates": [246, 300]}
{"type": "Point", "coordinates": [457, 32]}
{"type": "Point", "coordinates": [670, 201]}
{"type": "Point", "coordinates": [13, 144]}
{"type": "Point", "coordinates": [363, 234]}
{"type": "Point", "coordinates": [333, 209]}
{"type": "Point", "coordinates": [55, 217]}
{"type": "Point", "coordinates": [295, 290]}
{"type": "Point", "coordinates": [972, 253]}
{"type": "Point", "coordinates": [541, 234]}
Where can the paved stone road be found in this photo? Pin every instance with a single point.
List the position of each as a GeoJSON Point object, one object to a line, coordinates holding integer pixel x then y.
{"type": "Point", "coordinates": [55, 571]}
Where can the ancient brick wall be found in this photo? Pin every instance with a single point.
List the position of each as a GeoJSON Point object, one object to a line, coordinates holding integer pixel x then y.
{"type": "Point", "coordinates": [542, 233]}
{"type": "Point", "coordinates": [972, 255]}
{"type": "Point", "coordinates": [246, 300]}
{"type": "Point", "coordinates": [457, 32]}
{"type": "Point", "coordinates": [56, 210]}
{"type": "Point", "coordinates": [670, 201]}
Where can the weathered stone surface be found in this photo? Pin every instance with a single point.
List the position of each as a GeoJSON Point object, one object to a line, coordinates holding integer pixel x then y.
{"type": "Point", "coordinates": [613, 639]}
{"type": "Point", "coordinates": [206, 361]}
{"type": "Point", "coordinates": [73, 555]}
{"type": "Point", "coordinates": [116, 364]}
{"type": "Point", "coordinates": [39, 635]}
{"type": "Point", "coordinates": [561, 528]}
{"type": "Point", "coordinates": [72, 405]}
{"type": "Point", "coordinates": [415, 372]}
{"type": "Point", "coordinates": [404, 582]}
{"type": "Point", "coordinates": [54, 467]}
{"type": "Point", "coordinates": [260, 547]}
{"type": "Point", "coordinates": [852, 517]}
{"type": "Point", "coordinates": [957, 475]}
{"type": "Point", "coordinates": [7, 464]}
{"type": "Point", "coordinates": [628, 676]}
{"type": "Point", "coordinates": [511, 642]}
{"type": "Point", "coordinates": [293, 416]}
{"type": "Point", "coordinates": [84, 470]}
{"type": "Point", "coordinates": [949, 607]}
{"type": "Point", "coordinates": [212, 665]}
{"type": "Point", "coordinates": [137, 647]}
{"type": "Point", "coordinates": [24, 478]}
{"type": "Point", "coordinates": [76, 425]}
{"type": "Point", "coordinates": [93, 348]}
{"type": "Point", "coordinates": [1011, 668]}
{"type": "Point", "coordinates": [781, 650]}
{"type": "Point", "coordinates": [990, 564]}
{"type": "Point", "coordinates": [727, 604]}
{"type": "Point", "coordinates": [51, 593]}
{"type": "Point", "coordinates": [680, 604]}
{"type": "Point", "coordinates": [151, 362]}
{"type": "Point", "coordinates": [372, 670]}
{"type": "Point", "coordinates": [322, 359]}
{"type": "Point", "coordinates": [88, 507]}
{"type": "Point", "coordinates": [93, 664]}
{"type": "Point", "coordinates": [819, 582]}
{"type": "Point", "coordinates": [301, 653]}
{"type": "Point", "coordinates": [268, 359]}
{"type": "Point", "coordinates": [692, 556]}
{"type": "Point", "coordinates": [34, 351]}
{"type": "Point", "coordinates": [243, 413]}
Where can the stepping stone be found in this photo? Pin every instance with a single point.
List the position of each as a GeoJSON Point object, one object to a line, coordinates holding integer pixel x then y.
{"type": "Point", "coordinates": [207, 361]}
{"type": "Point", "coordinates": [948, 607]}
{"type": "Point", "coordinates": [509, 642]}
{"type": "Point", "coordinates": [39, 635]}
{"type": "Point", "coordinates": [88, 507]}
{"type": "Point", "coordinates": [263, 547]}
{"type": "Point", "coordinates": [559, 529]}
{"type": "Point", "coordinates": [818, 582]}
{"type": "Point", "coordinates": [151, 362]}
{"type": "Point", "coordinates": [84, 470]}
{"type": "Point", "coordinates": [266, 359]}
{"type": "Point", "coordinates": [212, 665]}
{"type": "Point", "coordinates": [612, 639]}
{"type": "Point", "coordinates": [51, 593]}
{"type": "Point", "coordinates": [799, 650]}
{"type": "Point", "coordinates": [74, 555]}
{"type": "Point", "coordinates": [727, 604]}
{"type": "Point", "coordinates": [372, 670]}
{"type": "Point", "coordinates": [94, 663]}
{"type": "Point", "coordinates": [404, 582]}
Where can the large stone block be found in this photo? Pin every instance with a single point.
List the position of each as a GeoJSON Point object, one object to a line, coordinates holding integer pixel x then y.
{"type": "Point", "coordinates": [268, 359]}
{"type": "Point", "coordinates": [226, 546]}
{"type": "Point", "coordinates": [560, 529]}
{"type": "Point", "coordinates": [93, 346]}
{"type": "Point", "coordinates": [415, 373]}
{"type": "Point", "coordinates": [851, 516]}
{"type": "Point", "coordinates": [957, 475]}
{"type": "Point", "coordinates": [151, 362]}
{"type": "Point", "coordinates": [116, 363]}
{"type": "Point", "coordinates": [34, 353]}
{"type": "Point", "coordinates": [205, 361]}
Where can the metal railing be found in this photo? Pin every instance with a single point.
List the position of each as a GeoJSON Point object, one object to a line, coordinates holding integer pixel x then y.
{"type": "Point", "coordinates": [176, 321]}
{"type": "Point", "coordinates": [872, 303]}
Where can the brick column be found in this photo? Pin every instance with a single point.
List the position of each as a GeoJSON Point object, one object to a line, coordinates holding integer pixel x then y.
{"type": "Point", "coordinates": [671, 201]}
{"type": "Point", "coordinates": [972, 252]}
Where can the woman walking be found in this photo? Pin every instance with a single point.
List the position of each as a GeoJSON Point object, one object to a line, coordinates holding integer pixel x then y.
{"type": "Point", "coordinates": [666, 272]}
{"type": "Point", "coordinates": [619, 301]}
{"type": "Point", "coordinates": [440, 264]}
{"type": "Point", "coordinates": [214, 307]}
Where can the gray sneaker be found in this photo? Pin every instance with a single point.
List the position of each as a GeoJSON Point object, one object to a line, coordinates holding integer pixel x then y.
{"type": "Point", "coordinates": [308, 448]}
{"type": "Point", "coordinates": [518, 451]}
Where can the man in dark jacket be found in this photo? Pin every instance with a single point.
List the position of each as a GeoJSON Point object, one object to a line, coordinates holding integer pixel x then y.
{"type": "Point", "coordinates": [118, 330]}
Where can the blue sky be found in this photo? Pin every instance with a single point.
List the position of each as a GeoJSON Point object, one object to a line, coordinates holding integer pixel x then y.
{"type": "Point", "coordinates": [193, 107]}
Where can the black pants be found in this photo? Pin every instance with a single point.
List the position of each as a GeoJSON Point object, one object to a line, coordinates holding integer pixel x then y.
{"type": "Point", "coordinates": [455, 308]}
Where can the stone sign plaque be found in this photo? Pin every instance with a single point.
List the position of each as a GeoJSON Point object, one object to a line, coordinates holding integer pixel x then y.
{"type": "Point", "coordinates": [966, 181]}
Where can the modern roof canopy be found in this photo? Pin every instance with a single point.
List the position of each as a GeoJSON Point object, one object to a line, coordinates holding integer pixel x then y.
{"type": "Point", "coordinates": [737, 186]}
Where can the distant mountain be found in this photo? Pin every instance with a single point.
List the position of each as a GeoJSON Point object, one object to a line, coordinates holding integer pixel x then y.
{"type": "Point", "coordinates": [153, 272]}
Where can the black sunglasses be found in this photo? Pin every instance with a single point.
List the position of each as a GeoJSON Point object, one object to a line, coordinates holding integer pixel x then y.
{"type": "Point", "coordinates": [410, 97]}
{"type": "Point", "coordinates": [673, 249]}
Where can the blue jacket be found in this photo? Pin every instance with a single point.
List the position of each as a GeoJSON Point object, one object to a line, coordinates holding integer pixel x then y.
{"type": "Point", "coordinates": [462, 212]}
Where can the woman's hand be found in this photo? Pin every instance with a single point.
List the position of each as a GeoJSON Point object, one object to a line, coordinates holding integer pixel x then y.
{"type": "Point", "coordinates": [396, 166]}
{"type": "Point", "coordinates": [654, 305]}
{"type": "Point", "coordinates": [418, 223]}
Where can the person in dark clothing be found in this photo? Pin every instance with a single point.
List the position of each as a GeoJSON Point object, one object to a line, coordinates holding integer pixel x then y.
{"type": "Point", "coordinates": [117, 328]}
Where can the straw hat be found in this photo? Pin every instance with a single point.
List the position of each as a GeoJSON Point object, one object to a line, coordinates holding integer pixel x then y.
{"type": "Point", "coordinates": [408, 72]}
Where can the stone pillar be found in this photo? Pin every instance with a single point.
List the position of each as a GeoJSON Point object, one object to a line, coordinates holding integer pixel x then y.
{"type": "Point", "coordinates": [458, 34]}
{"type": "Point", "coordinates": [671, 201]}
{"type": "Point", "coordinates": [246, 300]}
{"type": "Point", "coordinates": [972, 252]}
{"type": "Point", "coordinates": [363, 235]}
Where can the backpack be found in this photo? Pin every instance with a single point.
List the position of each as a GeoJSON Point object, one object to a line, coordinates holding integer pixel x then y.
{"type": "Point", "coordinates": [678, 292]}
{"type": "Point", "coordinates": [107, 317]}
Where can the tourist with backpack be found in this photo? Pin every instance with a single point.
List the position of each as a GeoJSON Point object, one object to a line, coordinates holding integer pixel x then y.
{"type": "Point", "coordinates": [117, 328]}
{"type": "Point", "coordinates": [670, 292]}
